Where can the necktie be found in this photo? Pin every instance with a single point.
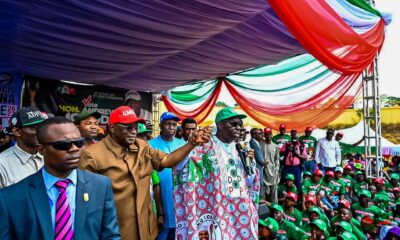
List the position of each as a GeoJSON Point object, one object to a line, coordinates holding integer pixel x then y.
{"type": "Point", "coordinates": [63, 228]}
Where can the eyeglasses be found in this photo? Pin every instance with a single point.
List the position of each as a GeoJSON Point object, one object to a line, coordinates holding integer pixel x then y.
{"type": "Point", "coordinates": [64, 145]}
{"type": "Point", "coordinates": [128, 128]}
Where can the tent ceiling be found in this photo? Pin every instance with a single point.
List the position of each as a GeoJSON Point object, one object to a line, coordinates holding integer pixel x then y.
{"type": "Point", "coordinates": [143, 45]}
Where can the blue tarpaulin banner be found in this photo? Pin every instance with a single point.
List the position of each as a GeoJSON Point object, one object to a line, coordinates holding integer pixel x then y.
{"type": "Point", "coordinates": [10, 94]}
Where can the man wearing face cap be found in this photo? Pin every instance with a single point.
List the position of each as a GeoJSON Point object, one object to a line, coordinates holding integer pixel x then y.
{"type": "Point", "coordinates": [214, 179]}
{"type": "Point", "coordinates": [133, 99]}
{"type": "Point", "coordinates": [310, 142]}
{"type": "Point", "coordinates": [5, 139]}
{"type": "Point", "coordinates": [23, 159]}
{"type": "Point", "coordinates": [129, 162]}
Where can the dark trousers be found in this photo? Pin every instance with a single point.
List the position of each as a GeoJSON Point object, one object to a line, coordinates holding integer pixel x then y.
{"type": "Point", "coordinates": [296, 170]}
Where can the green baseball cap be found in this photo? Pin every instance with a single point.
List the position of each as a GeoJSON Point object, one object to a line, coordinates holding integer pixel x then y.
{"type": "Point", "coordinates": [315, 210]}
{"type": "Point", "coordinates": [227, 113]}
{"type": "Point", "coordinates": [142, 128]}
{"type": "Point", "coordinates": [270, 223]}
{"type": "Point", "coordinates": [346, 226]}
{"type": "Point", "coordinates": [398, 202]}
{"type": "Point", "coordinates": [319, 224]}
{"type": "Point", "coordinates": [289, 176]}
{"type": "Point", "coordinates": [347, 236]}
{"type": "Point", "coordinates": [85, 114]}
{"type": "Point", "coordinates": [277, 207]}
{"type": "Point", "coordinates": [365, 193]}
{"type": "Point", "coordinates": [359, 173]}
{"type": "Point", "coordinates": [306, 173]}
{"type": "Point", "coordinates": [394, 176]}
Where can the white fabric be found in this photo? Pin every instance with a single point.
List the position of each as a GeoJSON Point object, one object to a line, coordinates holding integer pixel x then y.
{"type": "Point", "coordinates": [328, 153]}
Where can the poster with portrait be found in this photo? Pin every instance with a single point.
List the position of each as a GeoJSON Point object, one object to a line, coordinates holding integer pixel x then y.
{"type": "Point", "coordinates": [68, 99]}
{"type": "Point", "coordinates": [10, 94]}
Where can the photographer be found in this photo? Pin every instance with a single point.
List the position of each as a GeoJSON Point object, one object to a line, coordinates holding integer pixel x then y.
{"type": "Point", "coordinates": [293, 154]}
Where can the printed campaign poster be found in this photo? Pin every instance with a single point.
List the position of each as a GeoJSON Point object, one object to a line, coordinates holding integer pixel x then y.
{"type": "Point", "coordinates": [10, 95]}
{"type": "Point", "coordinates": [68, 99]}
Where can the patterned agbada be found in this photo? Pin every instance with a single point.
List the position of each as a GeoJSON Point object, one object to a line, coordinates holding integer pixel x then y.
{"type": "Point", "coordinates": [214, 197]}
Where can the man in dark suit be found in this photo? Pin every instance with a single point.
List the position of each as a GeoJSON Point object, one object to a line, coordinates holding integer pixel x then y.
{"type": "Point", "coordinates": [59, 201]}
{"type": "Point", "coordinates": [255, 141]}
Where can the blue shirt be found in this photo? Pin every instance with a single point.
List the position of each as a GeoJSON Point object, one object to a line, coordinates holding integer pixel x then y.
{"type": "Point", "coordinates": [52, 193]}
{"type": "Point", "coordinates": [166, 181]}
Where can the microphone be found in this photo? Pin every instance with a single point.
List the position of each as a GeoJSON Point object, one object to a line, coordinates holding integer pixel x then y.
{"type": "Point", "coordinates": [248, 161]}
{"type": "Point", "coordinates": [242, 157]}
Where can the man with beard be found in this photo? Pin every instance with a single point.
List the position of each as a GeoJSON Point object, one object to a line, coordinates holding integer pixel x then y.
{"type": "Point", "coordinates": [88, 125]}
{"type": "Point", "coordinates": [129, 162]}
{"type": "Point", "coordinates": [23, 159]}
{"type": "Point", "coordinates": [167, 142]}
{"type": "Point", "coordinates": [213, 184]}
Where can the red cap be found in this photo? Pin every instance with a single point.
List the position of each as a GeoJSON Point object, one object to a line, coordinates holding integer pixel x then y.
{"type": "Point", "coordinates": [379, 180]}
{"type": "Point", "coordinates": [309, 129]}
{"type": "Point", "coordinates": [340, 134]}
{"type": "Point", "coordinates": [318, 172]}
{"type": "Point", "coordinates": [367, 221]}
{"type": "Point", "coordinates": [330, 173]}
{"type": "Point", "coordinates": [348, 167]}
{"type": "Point", "coordinates": [345, 203]}
{"type": "Point", "coordinates": [292, 196]}
{"type": "Point", "coordinates": [311, 198]}
{"type": "Point", "coordinates": [282, 126]}
{"type": "Point", "coordinates": [124, 115]}
{"type": "Point", "coordinates": [383, 222]}
{"type": "Point", "coordinates": [396, 189]}
{"type": "Point", "coordinates": [267, 130]}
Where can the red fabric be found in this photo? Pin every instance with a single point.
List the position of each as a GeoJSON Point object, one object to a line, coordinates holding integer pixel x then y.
{"type": "Point", "coordinates": [199, 114]}
{"type": "Point", "coordinates": [336, 46]}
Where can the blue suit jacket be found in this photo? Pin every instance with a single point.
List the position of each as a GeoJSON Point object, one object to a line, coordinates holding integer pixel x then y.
{"type": "Point", "coordinates": [258, 153]}
{"type": "Point", "coordinates": [25, 210]}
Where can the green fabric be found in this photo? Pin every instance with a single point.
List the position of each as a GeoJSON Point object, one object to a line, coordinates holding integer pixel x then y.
{"type": "Point", "coordinates": [283, 190]}
{"type": "Point", "coordinates": [290, 230]}
{"type": "Point", "coordinates": [270, 223]}
{"type": "Point", "coordinates": [358, 186]}
{"type": "Point", "coordinates": [394, 176]}
{"type": "Point", "coordinates": [364, 5]}
{"type": "Point", "coordinates": [281, 67]}
{"type": "Point", "coordinates": [256, 88]}
{"type": "Point", "coordinates": [280, 139]}
{"type": "Point", "coordinates": [289, 176]}
{"type": "Point", "coordinates": [364, 192]}
{"type": "Point", "coordinates": [336, 219]}
{"type": "Point", "coordinates": [339, 187]}
{"type": "Point", "coordinates": [310, 142]}
{"type": "Point", "coordinates": [227, 113]}
{"type": "Point", "coordinates": [142, 128]}
{"type": "Point", "coordinates": [155, 178]}
{"type": "Point", "coordinates": [346, 226]}
{"type": "Point", "coordinates": [382, 200]}
{"type": "Point", "coordinates": [389, 185]}
{"type": "Point", "coordinates": [192, 93]}
{"type": "Point", "coordinates": [294, 216]}
{"type": "Point", "coordinates": [372, 211]}
{"type": "Point", "coordinates": [277, 207]}
{"type": "Point", "coordinates": [309, 187]}
{"type": "Point", "coordinates": [328, 187]}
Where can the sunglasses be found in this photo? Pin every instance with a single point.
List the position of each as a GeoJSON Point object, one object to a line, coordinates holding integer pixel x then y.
{"type": "Point", "coordinates": [64, 145]}
{"type": "Point", "coordinates": [128, 128]}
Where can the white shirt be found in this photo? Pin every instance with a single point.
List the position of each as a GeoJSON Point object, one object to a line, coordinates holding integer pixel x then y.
{"type": "Point", "coordinates": [16, 164]}
{"type": "Point", "coordinates": [328, 153]}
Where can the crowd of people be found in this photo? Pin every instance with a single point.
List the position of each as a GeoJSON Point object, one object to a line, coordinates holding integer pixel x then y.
{"type": "Point", "coordinates": [72, 180]}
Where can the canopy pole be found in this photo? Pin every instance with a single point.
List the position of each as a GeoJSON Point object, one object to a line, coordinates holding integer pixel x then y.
{"type": "Point", "coordinates": [372, 120]}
